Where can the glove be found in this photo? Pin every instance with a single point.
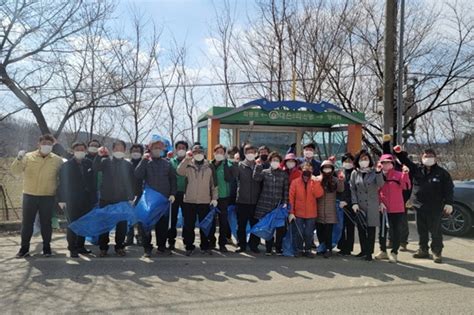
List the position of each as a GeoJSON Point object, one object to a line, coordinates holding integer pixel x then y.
{"type": "Point", "coordinates": [21, 154]}
{"type": "Point", "coordinates": [448, 209]}
{"type": "Point", "coordinates": [355, 207]}
{"type": "Point", "coordinates": [214, 203]}
{"type": "Point", "coordinates": [291, 217]}
{"type": "Point", "coordinates": [387, 138]}
{"type": "Point", "coordinates": [103, 151]}
{"type": "Point", "coordinates": [285, 205]}
{"type": "Point", "coordinates": [397, 149]}
{"type": "Point", "coordinates": [382, 207]}
{"type": "Point", "coordinates": [342, 204]}
{"type": "Point", "coordinates": [62, 205]}
{"type": "Point", "coordinates": [171, 199]}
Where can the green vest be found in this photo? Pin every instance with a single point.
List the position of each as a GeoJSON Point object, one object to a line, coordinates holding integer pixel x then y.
{"type": "Point", "coordinates": [222, 185]}
{"type": "Point", "coordinates": [180, 180]}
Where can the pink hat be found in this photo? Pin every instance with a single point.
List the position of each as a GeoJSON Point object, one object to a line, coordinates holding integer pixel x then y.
{"type": "Point", "coordinates": [386, 158]}
{"type": "Point", "coordinates": [290, 156]}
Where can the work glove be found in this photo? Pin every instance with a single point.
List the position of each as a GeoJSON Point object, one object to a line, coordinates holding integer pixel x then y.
{"type": "Point", "coordinates": [214, 203]}
{"type": "Point", "coordinates": [21, 154]}
{"type": "Point", "coordinates": [62, 205]}
{"type": "Point", "coordinates": [291, 217]}
{"type": "Point", "coordinates": [171, 199]}
{"type": "Point", "coordinates": [448, 209]}
{"type": "Point", "coordinates": [382, 207]}
{"type": "Point", "coordinates": [342, 204]}
{"type": "Point", "coordinates": [355, 207]}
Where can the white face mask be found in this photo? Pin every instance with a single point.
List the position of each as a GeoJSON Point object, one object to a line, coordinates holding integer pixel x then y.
{"type": "Point", "coordinates": [428, 161]}
{"type": "Point", "coordinates": [347, 166]}
{"type": "Point", "coordinates": [308, 154]}
{"type": "Point", "coordinates": [136, 155]}
{"type": "Point", "coordinates": [199, 157]}
{"type": "Point", "coordinates": [219, 157]}
{"type": "Point", "coordinates": [119, 155]}
{"type": "Point", "coordinates": [290, 164]}
{"type": "Point", "coordinates": [274, 165]}
{"type": "Point", "coordinates": [93, 149]}
{"type": "Point", "coordinates": [250, 156]}
{"type": "Point", "coordinates": [79, 155]}
{"type": "Point", "coordinates": [46, 149]}
{"type": "Point", "coordinates": [327, 170]}
{"type": "Point", "coordinates": [181, 153]}
{"type": "Point", "coordinates": [156, 153]}
{"type": "Point", "coordinates": [364, 164]}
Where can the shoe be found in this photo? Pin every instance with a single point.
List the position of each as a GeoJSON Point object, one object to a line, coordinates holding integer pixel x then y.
{"type": "Point", "coordinates": [47, 252]}
{"type": "Point", "coordinates": [147, 254]}
{"type": "Point", "coordinates": [421, 254]}
{"type": "Point", "coordinates": [360, 255]}
{"type": "Point", "coordinates": [103, 253]}
{"type": "Point", "coordinates": [23, 253]}
{"type": "Point", "coordinates": [299, 254]}
{"type": "Point", "coordinates": [309, 255]}
{"type": "Point", "coordinates": [171, 247]}
{"type": "Point", "coordinates": [223, 249]}
{"type": "Point", "coordinates": [392, 257]}
{"type": "Point", "coordinates": [389, 244]}
{"type": "Point", "coordinates": [189, 252]}
{"type": "Point", "coordinates": [369, 258]}
{"type": "Point", "coordinates": [381, 256]}
{"type": "Point", "coordinates": [161, 250]}
{"type": "Point", "coordinates": [327, 254]}
{"type": "Point", "coordinates": [241, 250]}
{"type": "Point", "coordinates": [268, 253]}
{"type": "Point", "coordinates": [403, 247]}
{"type": "Point", "coordinates": [343, 253]}
{"type": "Point", "coordinates": [279, 252]}
{"type": "Point", "coordinates": [84, 251]}
{"type": "Point", "coordinates": [255, 250]}
{"type": "Point", "coordinates": [74, 254]}
{"type": "Point", "coordinates": [437, 258]}
{"type": "Point", "coordinates": [120, 252]}
{"type": "Point", "coordinates": [230, 241]}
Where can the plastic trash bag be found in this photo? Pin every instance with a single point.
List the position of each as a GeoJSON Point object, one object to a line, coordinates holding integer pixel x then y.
{"type": "Point", "coordinates": [265, 228]}
{"type": "Point", "coordinates": [336, 229]}
{"type": "Point", "coordinates": [233, 222]}
{"type": "Point", "coordinates": [206, 224]}
{"type": "Point", "coordinates": [102, 220]}
{"type": "Point", "coordinates": [37, 226]}
{"type": "Point", "coordinates": [151, 207]}
{"type": "Point", "coordinates": [289, 241]}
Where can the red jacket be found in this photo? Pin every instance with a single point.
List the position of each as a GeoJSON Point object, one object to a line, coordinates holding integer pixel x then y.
{"type": "Point", "coordinates": [391, 193]}
{"type": "Point", "coordinates": [303, 197]}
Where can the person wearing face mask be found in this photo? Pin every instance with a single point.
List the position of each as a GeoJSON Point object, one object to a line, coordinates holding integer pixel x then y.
{"type": "Point", "coordinates": [136, 154]}
{"type": "Point", "coordinates": [308, 156]}
{"type": "Point", "coordinates": [201, 192]}
{"type": "Point", "coordinates": [76, 194]}
{"type": "Point", "coordinates": [346, 243]}
{"type": "Point", "coordinates": [116, 186]}
{"type": "Point", "coordinates": [40, 170]}
{"type": "Point", "coordinates": [225, 173]}
{"type": "Point", "coordinates": [157, 172]}
{"type": "Point", "coordinates": [304, 191]}
{"type": "Point", "coordinates": [248, 192]}
{"type": "Point", "coordinates": [290, 166]}
{"type": "Point", "coordinates": [274, 192]}
{"type": "Point", "coordinates": [432, 197]}
{"type": "Point", "coordinates": [365, 183]}
{"type": "Point", "coordinates": [181, 147]}
{"type": "Point", "coordinates": [391, 202]}
{"type": "Point", "coordinates": [327, 215]}
{"type": "Point", "coordinates": [262, 158]}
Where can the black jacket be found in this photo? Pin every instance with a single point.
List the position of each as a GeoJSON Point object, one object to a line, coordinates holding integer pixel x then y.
{"type": "Point", "coordinates": [248, 190]}
{"type": "Point", "coordinates": [159, 174]}
{"type": "Point", "coordinates": [77, 187]}
{"type": "Point", "coordinates": [346, 194]}
{"type": "Point", "coordinates": [137, 182]}
{"type": "Point", "coordinates": [117, 179]}
{"type": "Point", "coordinates": [431, 189]}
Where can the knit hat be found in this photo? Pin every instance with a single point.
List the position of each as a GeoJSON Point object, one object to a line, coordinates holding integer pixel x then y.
{"type": "Point", "coordinates": [386, 158]}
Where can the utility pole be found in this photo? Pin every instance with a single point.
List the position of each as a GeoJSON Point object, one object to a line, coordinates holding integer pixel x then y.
{"type": "Point", "coordinates": [400, 100]}
{"type": "Point", "coordinates": [389, 66]}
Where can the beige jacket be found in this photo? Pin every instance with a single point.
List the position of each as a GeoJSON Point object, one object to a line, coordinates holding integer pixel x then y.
{"type": "Point", "coordinates": [200, 187]}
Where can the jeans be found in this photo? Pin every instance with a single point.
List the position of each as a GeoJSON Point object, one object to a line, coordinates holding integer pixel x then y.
{"type": "Point", "coordinates": [31, 206]}
{"type": "Point", "coordinates": [428, 221]}
{"type": "Point", "coordinates": [395, 221]}
{"type": "Point", "coordinates": [190, 212]}
{"type": "Point", "coordinates": [303, 233]}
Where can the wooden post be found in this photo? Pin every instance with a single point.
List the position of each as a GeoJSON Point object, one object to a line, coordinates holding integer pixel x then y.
{"type": "Point", "coordinates": [213, 129]}
{"type": "Point", "coordinates": [354, 138]}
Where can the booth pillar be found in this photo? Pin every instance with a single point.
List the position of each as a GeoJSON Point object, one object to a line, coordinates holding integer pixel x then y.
{"type": "Point", "coordinates": [354, 138]}
{"type": "Point", "coordinates": [213, 129]}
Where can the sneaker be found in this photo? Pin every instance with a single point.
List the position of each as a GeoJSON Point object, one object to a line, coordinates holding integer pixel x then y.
{"type": "Point", "coordinates": [360, 255]}
{"type": "Point", "coordinates": [392, 257]}
{"type": "Point", "coordinates": [171, 247]}
{"type": "Point", "coordinates": [327, 254]}
{"type": "Point", "coordinates": [241, 250]}
{"type": "Point", "coordinates": [343, 253]}
{"type": "Point", "coordinates": [437, 258]}
{"type": "Point", "coordinates": [206, 252]}
{"type": "Point", "coordinates": [403, 247]}
{"type": "Point", "coordinates": [230, 241]}
{"type": "Point", "coordinates": [381, 256]}
{"type": "Point", "coordinates": [279, 252]}
{"type": "Point", "coordinates": [147, 254]}
{"type": "Point", "coordinates": [268, 253]}
{"type": "Point", "coordinates": [161, 250]}
{"type": "Point", "coordinates": [309, 255]}
{"type": "Point", "coordinates": [74, 254]}
{"type": "Point", "coordinates": [368, 258]}
{"type": "Point", "coordinates": [299, 254]}
{"type": "Point", "coordinates": [255, 250]}
{"type": "Point", "coordinates": [389, 244]}
{"type": "Point", "coordinates": [189, 252]}
{"type": "Point", "coordinates": [23, 253]}
{"type": "Point", "coordinates": [47, 252]}
{"type": "Point", "coordinates": [120, 252]}
{"type": "Point", "coordinates": [223, 249]}
{"type": "Point", "coordinates": [103, 253]}
{"type": "Point", "coordinates": [84, 251]}
{"type": "Point", "coordinates": [421, 254]}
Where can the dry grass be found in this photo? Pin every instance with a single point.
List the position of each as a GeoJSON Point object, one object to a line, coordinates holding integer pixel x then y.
{"type": "Point", "coordinates": [13, 186]}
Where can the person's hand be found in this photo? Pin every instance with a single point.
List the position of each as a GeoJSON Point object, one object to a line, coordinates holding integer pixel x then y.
{"type": "Point", "coordinates": [342, 204]}
{"type": "Point", "coordinates": [132, 202]}
{"type": "Point", "coordinates": [62, 205]}
{"type": "Point", "coordinates": [147, 156]}
{"type": "Point", "coordinates": [397, 149]}
{"type": "Point", "coordinates": [189, 156]}
{"type": "Point", "coordinates": [382, 207]}
{"type": "Point", "coordinates": [387, 138]}
{"type": "Point", "coordinates": [448, 209]}
{"type": "Point", "coordinates": [103, 151]}
{"type": "Point", "coordinates": [405, 169]}
{"type": "Point", "coordinates": [341, 176]}
{"type": "Point", "coordinates": [291, 217]}
{"type": "Point", "coordinates": [258, 161]}
{"type": "Point", "coordinates": [379, 167]}
{"type": "Point", "coordinates": [21, 154]}
{"type": "Point", "coordinates": [171, 199]}
{"type": "Point", "coordinates": [332, 158]}
{"type": "Point", "coordinates": [214, 203]}
{"type": "Point", "coordinates": [355, 208]}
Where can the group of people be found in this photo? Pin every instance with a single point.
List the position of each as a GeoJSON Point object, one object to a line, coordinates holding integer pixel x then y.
{"type": "Point", "coordinates": [255, 180]}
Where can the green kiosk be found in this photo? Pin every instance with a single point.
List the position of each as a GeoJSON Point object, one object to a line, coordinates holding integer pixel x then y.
{"type": "Point", "coordinates": [281, 123]}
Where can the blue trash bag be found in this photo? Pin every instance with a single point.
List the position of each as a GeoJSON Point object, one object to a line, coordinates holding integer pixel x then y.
{"type": "Point", "coordinates": [265, 228]}
{"type": "Point", "coordinates": [180, 222]}
{"type": "Point", "coordinates": [93, 240]}
{"type": "Point", "coordinates": [206, 224]}
{"type": "Point", "coordinates": [233, 222]}
{"type": "Point", "coordinates": [102, 220]}
{"type": "Point", "coordinates": [289, 241]}
{"type": "Point", "coordinates": [151, 207]}
{"type": "Point", "coordinates": [336, 229]}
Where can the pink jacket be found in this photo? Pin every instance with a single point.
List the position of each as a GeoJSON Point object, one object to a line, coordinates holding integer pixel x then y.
{"type": "Point", "coordinates": [391, 193]}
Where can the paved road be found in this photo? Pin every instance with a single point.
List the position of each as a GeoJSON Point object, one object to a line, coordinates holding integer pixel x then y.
{"type": "Point", "coordinates": [234, 283]}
